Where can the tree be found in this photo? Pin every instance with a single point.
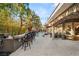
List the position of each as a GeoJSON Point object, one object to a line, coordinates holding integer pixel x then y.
{"type": "Point", "coordinates": [6, 21]}
{"type": "Point", "coordinates": [36, 21]}
{"type": "Point", "coordinates": [16, 18]}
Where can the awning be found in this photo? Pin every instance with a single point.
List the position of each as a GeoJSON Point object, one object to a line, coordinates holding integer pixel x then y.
{"type": "Point", "coordinates": [73, 17]}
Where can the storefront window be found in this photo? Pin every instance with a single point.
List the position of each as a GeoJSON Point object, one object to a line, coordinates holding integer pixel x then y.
{"type": "Point", "coordinates": [68, 28]}
{"type": "Point", "coordinates": [77, 28]}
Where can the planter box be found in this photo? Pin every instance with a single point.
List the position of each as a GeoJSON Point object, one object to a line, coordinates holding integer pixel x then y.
{"type": "Point", "coordinates": [10, 45]}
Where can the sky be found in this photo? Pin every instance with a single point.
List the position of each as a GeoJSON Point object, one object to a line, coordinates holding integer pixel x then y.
{"type": "Point", "coordinates": [44, 10]}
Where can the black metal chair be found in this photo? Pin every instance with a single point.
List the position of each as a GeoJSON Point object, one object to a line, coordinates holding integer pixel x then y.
{"type": "Point", "coordinates": [27, 40]}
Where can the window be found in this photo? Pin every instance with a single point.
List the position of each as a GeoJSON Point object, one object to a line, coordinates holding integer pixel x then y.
{"type": "Point", "coordinates": [77, 28]}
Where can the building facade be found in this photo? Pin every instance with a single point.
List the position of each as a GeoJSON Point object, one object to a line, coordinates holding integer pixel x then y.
{"type": "Point", "coordinates": [64, 21]}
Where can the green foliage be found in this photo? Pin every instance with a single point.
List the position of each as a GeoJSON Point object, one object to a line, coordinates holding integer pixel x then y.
{"type": "Point", "coordinates": [16, 18]}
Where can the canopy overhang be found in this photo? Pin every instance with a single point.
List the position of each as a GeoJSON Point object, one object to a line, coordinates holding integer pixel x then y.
{"type": "Point", "coordinates": [73, 17]}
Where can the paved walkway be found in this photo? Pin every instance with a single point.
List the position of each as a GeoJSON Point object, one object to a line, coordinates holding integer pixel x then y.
{"type": "Point", "coordinates": [46, 46]}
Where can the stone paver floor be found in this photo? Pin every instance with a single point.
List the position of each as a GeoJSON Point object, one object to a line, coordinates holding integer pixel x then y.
{"type": "Point", "coordinates": [46, 46]}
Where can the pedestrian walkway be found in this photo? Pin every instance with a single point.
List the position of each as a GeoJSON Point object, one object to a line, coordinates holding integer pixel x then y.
{"type": "Point", "coordinates": [46, 46]}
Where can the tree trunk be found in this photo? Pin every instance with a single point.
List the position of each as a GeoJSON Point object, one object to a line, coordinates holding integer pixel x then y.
{"type": "Point", "coordinates": [20, 27]}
